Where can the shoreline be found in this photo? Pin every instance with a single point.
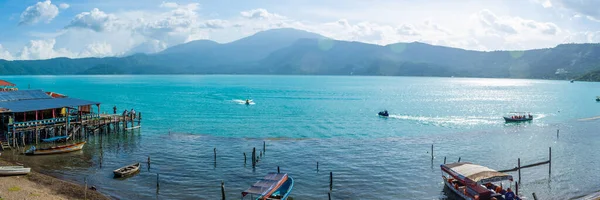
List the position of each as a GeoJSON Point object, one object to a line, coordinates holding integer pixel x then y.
{"type": "Point", "coordinates": [36, 185]}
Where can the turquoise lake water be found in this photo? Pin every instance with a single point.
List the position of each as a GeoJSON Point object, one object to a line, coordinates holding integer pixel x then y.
{"type": "Point", "coordinates": [333, 121]}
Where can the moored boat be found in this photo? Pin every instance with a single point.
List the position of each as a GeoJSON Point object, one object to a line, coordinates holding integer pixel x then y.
{"type": "Point", "coordinates": [518, 117]}
{"type": "Point", "coordinates": [475, 182]}
{"type": "Point", "coordinates": [13, 170]}
{"type": "Point", "coordinates": [56, 139]}
{"type": "Point", "coordinates": [126, 171]}
{"type": "Point", "coordinates": [272, 186]}
{"type": "Point", "coordinates": [55, 150]}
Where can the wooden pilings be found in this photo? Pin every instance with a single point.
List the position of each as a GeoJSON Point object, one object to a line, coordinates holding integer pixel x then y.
{"type": "Point", "coordinates": [517, 188]}
{"type": "Point", "coordinates": [330, 181]}
{"type": "Point", "coordinates": [519, 168]}
{"type": "Point", "coordinates": [254, 157]}
{"type": "Point", "coordinates": [264, 146]}
{"type": "Point", "coordinates": [534, 196]}
{"type": "Point", "coordinates": [317, 166]}
{"type": "Point", "coordinates": [444, 159]}
{"type": "Point", "coordinates": [278, 170]}
{"type": "Point", "coordinates": [431, 151]}
{"type": "Point", "coordinates": [215, 150]}
{"type": "Point", "coordinates": [458, 159]}
{"type": "Point", "coordinates": [157, 183]}
{"type": "Point", "coordinates": [549, 160]}
{"type": "Point", "coordinates": [222, 190]}
{"type": "Point", "coordinates": [244, 158]}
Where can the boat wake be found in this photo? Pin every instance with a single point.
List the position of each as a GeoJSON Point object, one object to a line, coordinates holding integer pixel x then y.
{"type": "Point", "coordinates": [243, 102]}
{"type": "Point", "coordinates": [449, 121]}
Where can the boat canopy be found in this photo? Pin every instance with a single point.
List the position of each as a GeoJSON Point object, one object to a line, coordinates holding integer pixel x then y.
{"type": "Point", "coordinates": [266, 186]}
{"type": "Point", "coordinates": [470, 172]}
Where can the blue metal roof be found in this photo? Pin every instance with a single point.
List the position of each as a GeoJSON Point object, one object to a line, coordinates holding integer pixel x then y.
{"type": "Point", "coordinates": [43, 104]}
{"type": "Point", "coordinates": [23, 95]}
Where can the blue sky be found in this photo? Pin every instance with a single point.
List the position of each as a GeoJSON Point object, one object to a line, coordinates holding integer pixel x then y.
{"type": "Point", "coordinates": [34, 29]}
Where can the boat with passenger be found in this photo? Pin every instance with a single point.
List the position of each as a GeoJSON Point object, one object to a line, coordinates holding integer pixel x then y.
{"type": "Point", "coordinates": [384, 113]}
{"type": "Point", "coordinates": [518, 117]}
{"type": "Point", "coordinates": [272, 186]}
{"type": "Point", "coordinates": [597, 98]}
{"type": "Point", "coordinates": [476, 182]}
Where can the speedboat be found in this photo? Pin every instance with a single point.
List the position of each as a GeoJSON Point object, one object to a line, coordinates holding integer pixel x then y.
{"type": "Point", "coordinates": [248, 102]}
{"type": "Point", "coordinates": [272, 186]}
{"type": "Point", "coordinates": [518, 117]}
{"type": "Point", "coordinates": [598, 98]}
{"type": "Point", "coordinates": [471, 181]}
{"type": "Point", "coordinates": [384, 113]}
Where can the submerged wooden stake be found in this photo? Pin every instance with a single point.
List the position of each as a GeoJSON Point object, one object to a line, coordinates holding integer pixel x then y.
{"type": "Point", "coordinates": [431, 151]}
{"type": "Point", "coordinates": [517, 188]}
{"type": "Point", "coordinates": [244, 157]}
{"type": "Point", "coordinates": [215, 150]}
{"type": "Point", "coordinates": [278, 169]}
{"type": "Point", "coordinates": [330, 181]}
{"type": "Point", "coordinates": [253, 157]}
{"type": "Point", "coordinates": [329, 195]}
{"type": "Point", "coordinates": [458, 159]}
{"type": "Point", "coordinates": [534, 196]}
{"type": "Point", "coordinates": [264, 146]}
{"type": "Point", "coordinates": [557, 130]}
{"type": "Point", "coordinates": [157, 183]}
{"type": "Point", "coordinates": [85, 188]}
{"type": "Point", "coordinates": [317, 166]}
{"type": "Point", "coordinates": [519, 167]}
{"type": "Point", "coordinates": [223, 190]}
{"type": "Point", "coordinates": [549, 160]}
{"type": "Point", "coordinates": [444, 159]}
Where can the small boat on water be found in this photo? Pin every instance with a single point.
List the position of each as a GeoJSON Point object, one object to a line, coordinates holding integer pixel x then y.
{"type": "Point", "coordinates": [127, 170]}
{"type": "Point", "coordinates": [470, 181]}
{"type": "Point", "coordinates": [55, 149]}
{"type": "Point", "coordinates": [384, 113]}
{"type": "Point", "coordinates": [272, 186]}
{"type": "Point", "coordinates": [248, 102]}
{"type": "Point", "coordinates": [518, 117]}
{"type": "Point", "coordinates": [597, 98]}
{"type": "Point", "coordinates": [56, 139]}
{"type": "Point", "coordinates": [13, 170]}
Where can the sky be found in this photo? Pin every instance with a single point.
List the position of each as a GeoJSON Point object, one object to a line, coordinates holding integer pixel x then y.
{"type": "Point", "coordinates": [43, 29]}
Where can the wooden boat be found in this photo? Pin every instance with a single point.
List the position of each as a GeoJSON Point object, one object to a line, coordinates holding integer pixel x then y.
{"type": "Point", "coordinates": [56, 139]}
{"type": "Point", "coordinates": [56, 149]}
{"type": "Point", "coordinates": [519, 117]}
{"type": "Point", "coordinates": [272, 186]}
{"type": "Point", "coordinates": [127, 170]}
{"type": "Point", "coordinates": [471, 181]}
{"type": "Point", "coordinates": [13, 170]}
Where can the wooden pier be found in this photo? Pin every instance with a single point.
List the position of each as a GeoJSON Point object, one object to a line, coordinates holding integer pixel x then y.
{"type": "Point", "coordinates": [76, 127]}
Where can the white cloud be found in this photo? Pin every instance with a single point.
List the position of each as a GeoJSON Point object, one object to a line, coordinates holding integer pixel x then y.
{"type": "Point", "coordinates": [95, 20]}
{"type": "Point", "coordinates": [214, 24]}
{"type": "Point", "coordinates": [261, 13]}
{"type": "Point", "coordinates": [41, 11]}
{"type": "Point", "coordinates": [97, 49]}
{"type": "Point", "coordinates": [583, 37]}
{"type": "Point", "coordinates": [4, 54]}
{"type": "Point", "coordinates": [64, 6]}
{"type": "Point", "coordinates": [547, 4]}
{"type": "Point", "coordinates": [42, 49]}
{"type": "Point", "coordinates": [587, 8]}
{"type": "Point", "coordinates": [169, 5]}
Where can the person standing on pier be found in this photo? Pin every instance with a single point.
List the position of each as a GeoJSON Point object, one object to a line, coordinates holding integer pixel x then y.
{"type": "Point", "coordinates": [133, 113]}
{"type": "Point", "coordinates": [115, 110]}
{"type": "Point", "coordinates": [125, 113]}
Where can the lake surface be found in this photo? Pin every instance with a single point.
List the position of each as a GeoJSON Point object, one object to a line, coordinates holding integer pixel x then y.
{"type": "Point", "coordinates": [333, 121]}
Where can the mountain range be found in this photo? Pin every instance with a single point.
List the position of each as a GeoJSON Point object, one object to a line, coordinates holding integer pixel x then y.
{"type": "Point", "coordinates": [291, 51]}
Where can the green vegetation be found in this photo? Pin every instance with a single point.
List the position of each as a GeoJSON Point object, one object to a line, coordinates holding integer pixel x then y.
{"type": "Point", "coordinates": [289, 51]}
{"type": "Point", "coordinates": [14, 189]}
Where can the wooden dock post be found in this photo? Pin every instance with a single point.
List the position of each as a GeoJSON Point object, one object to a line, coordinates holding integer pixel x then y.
{"type": "Point", "coordinates": [329, 195]}
{"type": "Point", "coordinates": [139, 118]}
{"type": "Point", "coordinates": [223, 190]}
{"type": "Point", "coordinates": [534, 196]}
{"type": "Point", "coordinates": [431, 151]}
{"type": "Point", "coordinates": [278, 169]}
{"type": "Point", "coordinates": [85, 188]}
{"type": "Point", "coordinates": [549, 160]}
{"type": "Point", "coordinates": [264, 146]}
{"type": "Point", "coordinates": [517, 188]}
{"type": "Point", "coordinates": [557, 130]}
{"type": "Point", "coordinates": [148, 163]}
{"type": "Point", "coordinates": [458, 159]}
{"type": "Point", "coordinates": [244, 158]}
{"type": "Point", "coordinates": [253, 157]}
{"type": "Point", "coordinates": [215, 150]}
{"type": "Point", "coordinates": [519, 168]}
{"type": "Point", "coordinates": [330, 181]}
{"type": "Point", "coordinates": [157, 183]}
{"type": "Point", "coordinates": [317, 166]}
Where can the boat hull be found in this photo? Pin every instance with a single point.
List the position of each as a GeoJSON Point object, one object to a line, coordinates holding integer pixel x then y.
{"type": "Point", "coordinates": [508, 119]}
{"type": "Point", "coordinates": [57, 149]}
{"type": "Point", "coordinates": [460, 194]}
{"type": "Point", "coordinates": [14, 170]}
{"type": "Point", "coordinates": [127, 171]}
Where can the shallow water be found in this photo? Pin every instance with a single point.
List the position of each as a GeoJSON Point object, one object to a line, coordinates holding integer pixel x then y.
{"type": "Point", "coordinates": [333, 121]}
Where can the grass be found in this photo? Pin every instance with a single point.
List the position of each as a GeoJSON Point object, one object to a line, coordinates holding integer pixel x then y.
{"type": "Point", "coordinates": [14, 189]}
{"type": "Point", "coordinates": [33, 195]}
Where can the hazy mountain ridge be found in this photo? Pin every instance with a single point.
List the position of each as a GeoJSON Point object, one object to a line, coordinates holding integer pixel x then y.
{"type": "Point", "coordinates": [290, 51]}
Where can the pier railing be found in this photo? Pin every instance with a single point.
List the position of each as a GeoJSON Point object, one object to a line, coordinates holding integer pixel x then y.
{"type": "Point", "coordinates": [52, 121]}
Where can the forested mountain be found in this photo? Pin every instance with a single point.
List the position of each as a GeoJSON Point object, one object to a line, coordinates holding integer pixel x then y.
{"type": "Point", "coordinates": [290, 51]}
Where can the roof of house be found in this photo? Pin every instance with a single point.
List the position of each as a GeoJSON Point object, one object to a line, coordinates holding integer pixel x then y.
{"type": "Point", "coordinates": [43, 104]}
{"type": "Point", "coordinates": [18, 95]}
{"type": "Point", "coordinates": [6, 83]}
